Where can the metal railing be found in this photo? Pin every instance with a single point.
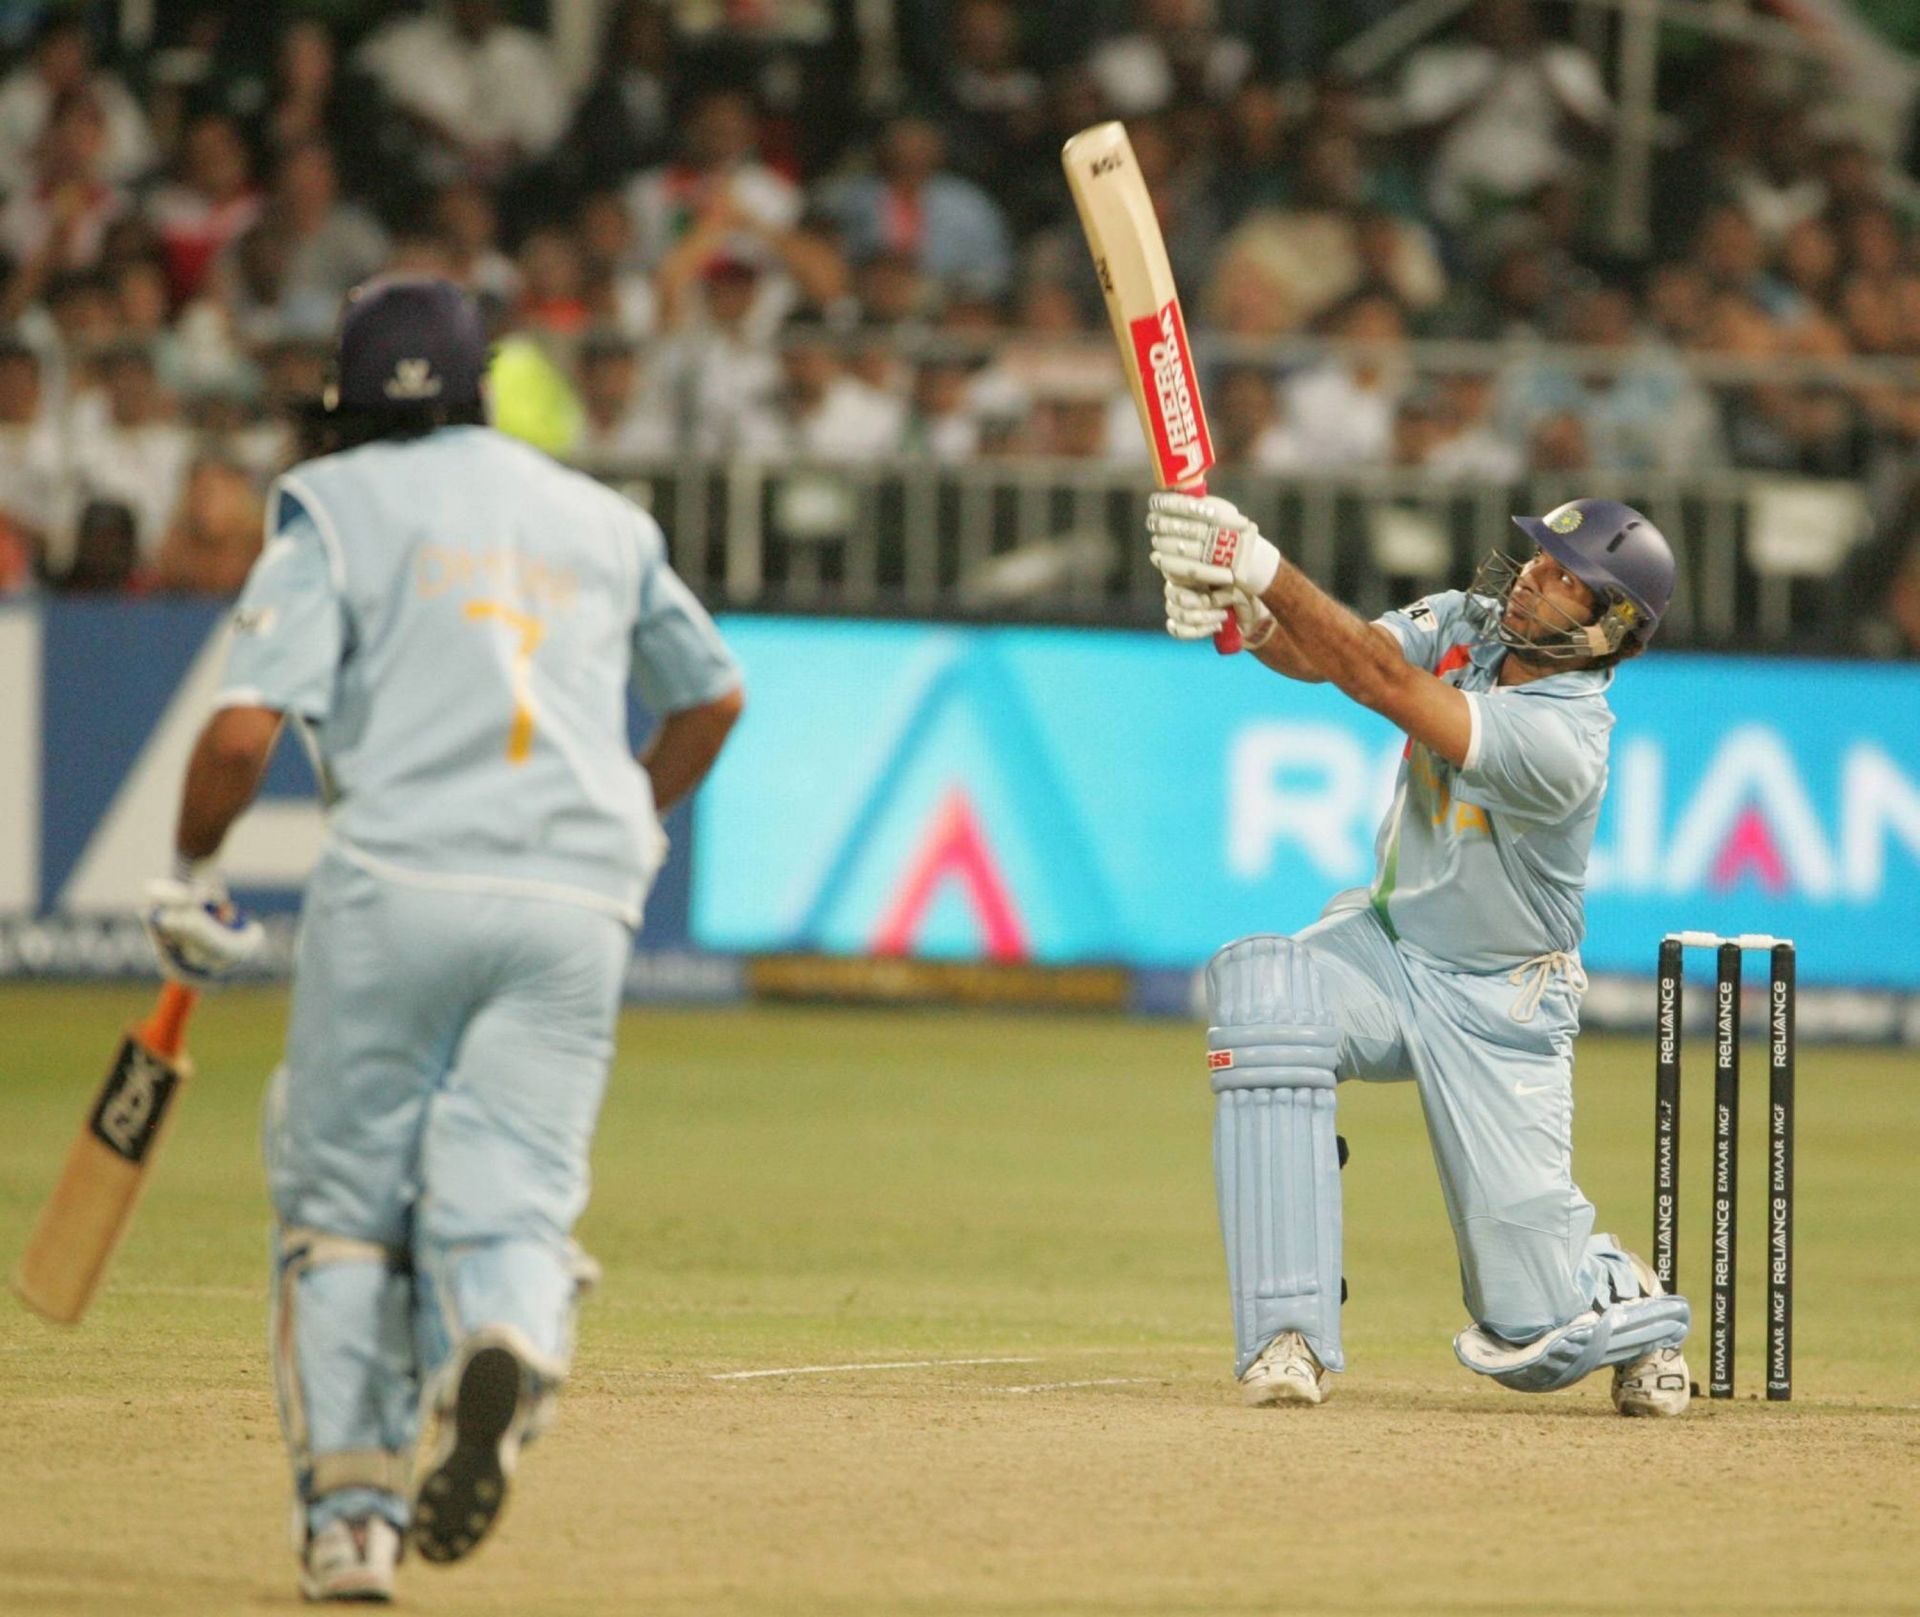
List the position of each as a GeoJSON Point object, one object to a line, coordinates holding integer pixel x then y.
{"type": "Point", "coordinates": [1053, 540]}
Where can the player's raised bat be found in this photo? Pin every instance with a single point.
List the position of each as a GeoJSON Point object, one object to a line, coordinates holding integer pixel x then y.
{"type": "Point", "coordinates": [1130, 257]}
{"type": "Point", "coordinates": [107, 1165]}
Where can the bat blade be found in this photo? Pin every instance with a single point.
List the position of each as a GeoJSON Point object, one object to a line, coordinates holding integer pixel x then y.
{"type": "Point", "coordinates": [107, 1165]}
{"type": "Point", "coordinates": [1130, 258]}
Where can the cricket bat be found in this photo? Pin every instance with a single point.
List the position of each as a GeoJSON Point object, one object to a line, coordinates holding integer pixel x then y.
{"type": "Point", "coordinates": [1130, 257]}
{"type": "Point", "coordinates": [107, 1165]}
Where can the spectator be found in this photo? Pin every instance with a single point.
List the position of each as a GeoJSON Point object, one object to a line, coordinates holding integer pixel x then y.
{"type": "Point", "coordinates": [62, 65]}
{"type": "Point", "coordinates": [941, 424]}
{"type": "Point", "coordinates": [1638, 408]}
{"type": "Point", "coordinates": [820, 412]}
{"type": "Point", "coordinates": [992, 114]}
{"type": "Point", "coordinates": [1344, 407]}
{"type": "Point", "coordinates": [210, 205]}
{"type": "Point", "coordinates": [214, 537]}
{"type": "Point", "coordinates": [484, 96]}
{"type": "Point", "coordinates": [619, 295]}
{"type": "Point", "coordinates": [35, 484]}
{"type": "Point", "coordinates": [303, 105]}
{"type": "Point", "coordinates": [1254, 159]}
{"type": "Point", "coordinates": [250, 281]}
{"type": "Point", "coordinates": [128, 447]}
{"type": "Point", "coordinates": [946, 225]}
{"type": "Point", "coordinates": [717, 173]}
{"type": "Point", "coordinates": [332, 246]}
{"type": "Point", "coordinates": [552, 284]}
{"type": "Point", "coordinates": [1173, 53]}
{"type": "Point", "coordinates": [1502, 113]}
{"type": "Point", "coordinates": [892, 291]}
{"type": "Point", "coordinates": [1326, 245]}
{"type": "Point", "coordinates": [1468, 447]}
{"type": "Point", "coordinates": [1558, 443]}
{"type": "Point", "coordinates": [468, 225]}
{"type": "Point", "coordinates": [1679, 297]}
{"type": "Point", "coordinates": [106, 551]}
{"type": "Point", "coordinates": [1809, 267]}
{"type": "Point", "coordinates": [57, 225]}
{"type": "Point", "coordinates": [719, 362]}
{"type": "Point", "coordinates": [1781, 186]}
{"type": "Point", "coordinates": [1729, 250]}
{"type": "Point", "coordinates": [624, 120]}
{"type": "Point", "coordinates": [625, 419]}
{"type": "Point", "coordinates": [1249, 431]}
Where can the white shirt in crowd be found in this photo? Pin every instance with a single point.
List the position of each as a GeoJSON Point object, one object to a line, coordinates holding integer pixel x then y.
{"type": "Point", "coordinates": [1341, 420]}
{"type": "Point", "coordinates": [25, 103]}
{"type": "Point", "coordinates": [143, 467]}
{"type": "Point", "coordinates": [36, 484]}
{"type": "Point", "coordinates": [503, 88]}
{"type": "Point", "coordinates": [851, 421]}
{"type": "Point", "coordinates": [1507, 139]}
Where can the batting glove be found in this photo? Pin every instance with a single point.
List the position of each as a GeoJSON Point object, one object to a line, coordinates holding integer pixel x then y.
{"type": "Point", "coordinates": [197, 931]}
{"type": "Point", "coordinates": [1200, 614]}
{"type": "Point", "coordinates": [1203, 543]}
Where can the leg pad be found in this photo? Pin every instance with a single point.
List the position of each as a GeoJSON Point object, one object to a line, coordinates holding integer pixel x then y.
{"type": "Point", "coordinates": [1598, 1337]}
{"type": "Point", "coordinates": [1272, 1051]}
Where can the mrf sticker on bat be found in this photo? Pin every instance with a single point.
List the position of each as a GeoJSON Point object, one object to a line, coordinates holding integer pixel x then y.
{"type": "Point", "coordinates": [133, 1102]}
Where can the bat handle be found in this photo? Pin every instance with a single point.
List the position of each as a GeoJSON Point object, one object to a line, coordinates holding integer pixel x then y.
{"type": "Point", "coordinates": [164, 1031]}
{"type": "Point", "coordinates": [1226, 639]}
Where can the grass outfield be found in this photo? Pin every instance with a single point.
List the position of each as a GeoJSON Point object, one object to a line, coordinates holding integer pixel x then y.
{"type": "Point", "coordinates": [781, 1189]}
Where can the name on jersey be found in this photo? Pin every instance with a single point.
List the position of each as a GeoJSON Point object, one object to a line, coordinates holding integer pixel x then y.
{"type": "Point", "coordinates": [455, 569]}
{"type": "Point", "coordinates": [1430, 790]}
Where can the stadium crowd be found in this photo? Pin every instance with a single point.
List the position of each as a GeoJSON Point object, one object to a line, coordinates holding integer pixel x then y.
{"type": "Point", "coordinates": [737, 237]}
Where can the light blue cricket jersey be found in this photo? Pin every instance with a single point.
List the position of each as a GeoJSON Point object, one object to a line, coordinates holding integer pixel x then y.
{"type": "Point", "coordinates": [1485, 866]}
{"type": "Point", "coordinates": [459, 619]}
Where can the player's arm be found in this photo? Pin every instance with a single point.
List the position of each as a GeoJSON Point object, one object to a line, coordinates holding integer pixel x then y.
{"type": "Point", "coordinates": [1366, 662]}
{"type": "Point", "coordinates": [1207, 545]}
{"type": "Point", "coordinates": [222, 776]}
{"type": "Point", "coordinates": [683, 749]}
{"type": "Point", "coordinates": [1199, 614]}
{"type": "Point", "coordinates": [682, 670]}
{"type": "Point", "coordinates": [287, 642]}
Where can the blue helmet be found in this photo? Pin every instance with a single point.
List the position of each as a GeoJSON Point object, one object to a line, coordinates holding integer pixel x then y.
{"type": "Point", "coordinates": [409, 343]}
{"type": "Point", "coordinates": [1619, 555]}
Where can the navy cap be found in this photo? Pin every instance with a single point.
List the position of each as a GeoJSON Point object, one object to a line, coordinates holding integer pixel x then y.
{"type": "Point", "coordinates": [409, 341]}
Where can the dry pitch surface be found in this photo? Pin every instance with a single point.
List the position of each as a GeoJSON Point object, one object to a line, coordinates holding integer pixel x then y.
{"type": "Point", "coordinates": [787, 1190]}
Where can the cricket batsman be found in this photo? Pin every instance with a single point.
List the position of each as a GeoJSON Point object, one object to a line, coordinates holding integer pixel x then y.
{"type": "Point", "coordinates": [455, 621]}
{"type": "Point", "coordinates": [1457, 969]}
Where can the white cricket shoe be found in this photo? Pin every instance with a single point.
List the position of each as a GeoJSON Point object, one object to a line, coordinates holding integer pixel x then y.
{"type": "Point", "coordinates": [487, 1400]}
{"type": "Point", "coordinates": [1656, 1383]}
{"type": "Point", "coordinates": [1285, 1373]}
{"type": "Point", "coordinates": [351, 1560]}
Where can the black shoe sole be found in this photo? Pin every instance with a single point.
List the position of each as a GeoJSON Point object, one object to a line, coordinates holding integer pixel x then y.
{"type": "Point", "coordinates": [461, 1499]}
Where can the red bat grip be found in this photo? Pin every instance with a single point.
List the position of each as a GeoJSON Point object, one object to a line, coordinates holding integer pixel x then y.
{"type": "Point", "coordinates": [1226, 639]}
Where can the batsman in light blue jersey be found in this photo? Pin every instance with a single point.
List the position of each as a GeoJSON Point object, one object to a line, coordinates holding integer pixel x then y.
{"type": "Point", "coordinates": [1457, 969]}
{"type": "Point", "coordinates": [455, 622]}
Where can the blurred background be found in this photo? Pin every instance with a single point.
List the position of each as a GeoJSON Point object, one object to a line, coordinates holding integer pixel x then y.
{"type": "Point", "coordinates": [803, 277]}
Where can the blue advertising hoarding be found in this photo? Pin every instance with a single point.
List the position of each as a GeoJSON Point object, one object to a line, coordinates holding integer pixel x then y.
{"type": "Point", "coordinates": [1063, 796]}
{"type": "Point", "coordinates": [1074, 795]}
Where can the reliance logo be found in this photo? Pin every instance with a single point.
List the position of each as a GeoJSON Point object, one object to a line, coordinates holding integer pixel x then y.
{"type": "Point", "coordinates": [1752, 819]}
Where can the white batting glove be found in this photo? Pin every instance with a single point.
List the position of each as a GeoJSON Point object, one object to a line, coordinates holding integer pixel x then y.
{"type": "Point", "coordinates": [1203, 543]}
{"type": "Point", "coordinates": [197, 931]}
{"type": "Point", "coordinates": [1201, 614]}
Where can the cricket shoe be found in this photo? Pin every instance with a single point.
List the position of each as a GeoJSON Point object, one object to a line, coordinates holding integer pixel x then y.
{"type": "Point", "coordinates": [483, 1413]}
{"type": "Point", "coordinates": [351, 1560]}
{"type": "Point", "coordinates": [1656, 1383]}
{"type": "Point", "coordinates": [1285, 1373]}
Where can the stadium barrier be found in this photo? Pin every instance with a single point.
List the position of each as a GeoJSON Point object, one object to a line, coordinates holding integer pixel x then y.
{"type": "Point", "coordinates": [1761, 555]}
